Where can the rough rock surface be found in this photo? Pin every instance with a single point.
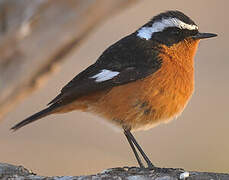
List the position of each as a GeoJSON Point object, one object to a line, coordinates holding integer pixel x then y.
{"type": "Point", "coordinates": [13, 172]}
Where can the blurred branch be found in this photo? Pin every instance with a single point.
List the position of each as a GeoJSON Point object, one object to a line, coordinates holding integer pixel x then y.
{"type": "Point", "coordinates": [13, 172]}
{"type": "Point", "coordinates": [35, 36]}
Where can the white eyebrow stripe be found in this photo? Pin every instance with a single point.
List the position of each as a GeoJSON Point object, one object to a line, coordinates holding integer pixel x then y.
{"type": "Point", "coordinates": [159, 26]}
{"type": "Point", "coordinates": [105, 75]}
{"type": "Point", "coordinates": [183, 25]}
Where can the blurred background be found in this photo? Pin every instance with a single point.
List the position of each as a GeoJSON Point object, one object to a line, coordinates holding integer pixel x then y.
{"type": "Point", "coordinates": [78, 143]}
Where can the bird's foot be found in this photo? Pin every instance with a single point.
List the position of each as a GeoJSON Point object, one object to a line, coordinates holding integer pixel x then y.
{"type": "Point", "coordinates": [142, 168]}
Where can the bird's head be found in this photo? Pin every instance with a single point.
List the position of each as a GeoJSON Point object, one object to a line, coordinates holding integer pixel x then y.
{"type": "Point", "coordinates": [170, 28]}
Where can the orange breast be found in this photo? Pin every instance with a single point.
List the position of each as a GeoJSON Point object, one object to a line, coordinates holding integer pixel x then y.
{"type": "Point", "coordinates": [157, 98]}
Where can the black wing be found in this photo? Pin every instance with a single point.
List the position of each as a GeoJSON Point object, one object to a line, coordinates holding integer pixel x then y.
{"type": "Point", "coordinates": [128, 60]}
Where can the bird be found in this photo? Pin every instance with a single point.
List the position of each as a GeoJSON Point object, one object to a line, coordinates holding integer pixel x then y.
{"type": "Point", "coordinates": [142, 80]}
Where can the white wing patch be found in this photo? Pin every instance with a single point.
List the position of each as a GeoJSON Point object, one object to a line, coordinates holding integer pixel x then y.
{"type": "Point", "coordinates": [105, 75]}
{"type": "Point", "coordinates": [159, 26]}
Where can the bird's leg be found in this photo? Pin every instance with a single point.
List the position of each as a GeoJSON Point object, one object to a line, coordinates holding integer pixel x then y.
{"type": "Point", "coordinates": [131, 138]}
{"type": "Point", "coordinates": [134, 150]}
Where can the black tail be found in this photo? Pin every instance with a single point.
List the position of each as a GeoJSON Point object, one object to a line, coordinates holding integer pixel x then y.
{"type": "Point", "coordinates": [34, 117]}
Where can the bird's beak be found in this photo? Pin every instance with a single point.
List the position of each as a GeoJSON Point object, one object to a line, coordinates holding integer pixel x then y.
{"type": "Point", "coordinates": [204, 35]}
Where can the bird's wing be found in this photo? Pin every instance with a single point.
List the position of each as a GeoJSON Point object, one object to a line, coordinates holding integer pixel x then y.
{"type": "Point", "coordinates": [125, 61]}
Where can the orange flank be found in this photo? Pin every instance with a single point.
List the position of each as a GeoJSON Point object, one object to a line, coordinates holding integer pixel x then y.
{"type": "Point", "coordinates": [157, 98]}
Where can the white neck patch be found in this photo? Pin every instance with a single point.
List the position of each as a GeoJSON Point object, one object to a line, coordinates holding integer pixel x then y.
{"type": "Point", "coordinates": [159, 26]}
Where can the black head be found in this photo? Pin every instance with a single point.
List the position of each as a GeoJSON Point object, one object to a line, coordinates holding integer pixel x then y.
{"type": "Point", "coordinates": [171, 27]}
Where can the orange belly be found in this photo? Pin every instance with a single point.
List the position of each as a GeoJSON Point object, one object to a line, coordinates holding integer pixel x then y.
{"type": "Point", "coordinates": [145, 103]}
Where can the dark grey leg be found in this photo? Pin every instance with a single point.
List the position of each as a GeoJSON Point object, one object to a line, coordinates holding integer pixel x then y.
{"type": "Point", "coordinates": [134, 150]}
{"type": "Point", "coordinates": [133, 142]}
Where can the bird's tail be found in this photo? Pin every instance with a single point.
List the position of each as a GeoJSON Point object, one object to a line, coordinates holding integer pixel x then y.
{"type": "Point", "coordinates": [49, 110]}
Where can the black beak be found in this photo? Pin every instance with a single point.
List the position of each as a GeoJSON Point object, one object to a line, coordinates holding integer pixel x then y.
{"type": "Point", "coordinates": [203, 35]}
